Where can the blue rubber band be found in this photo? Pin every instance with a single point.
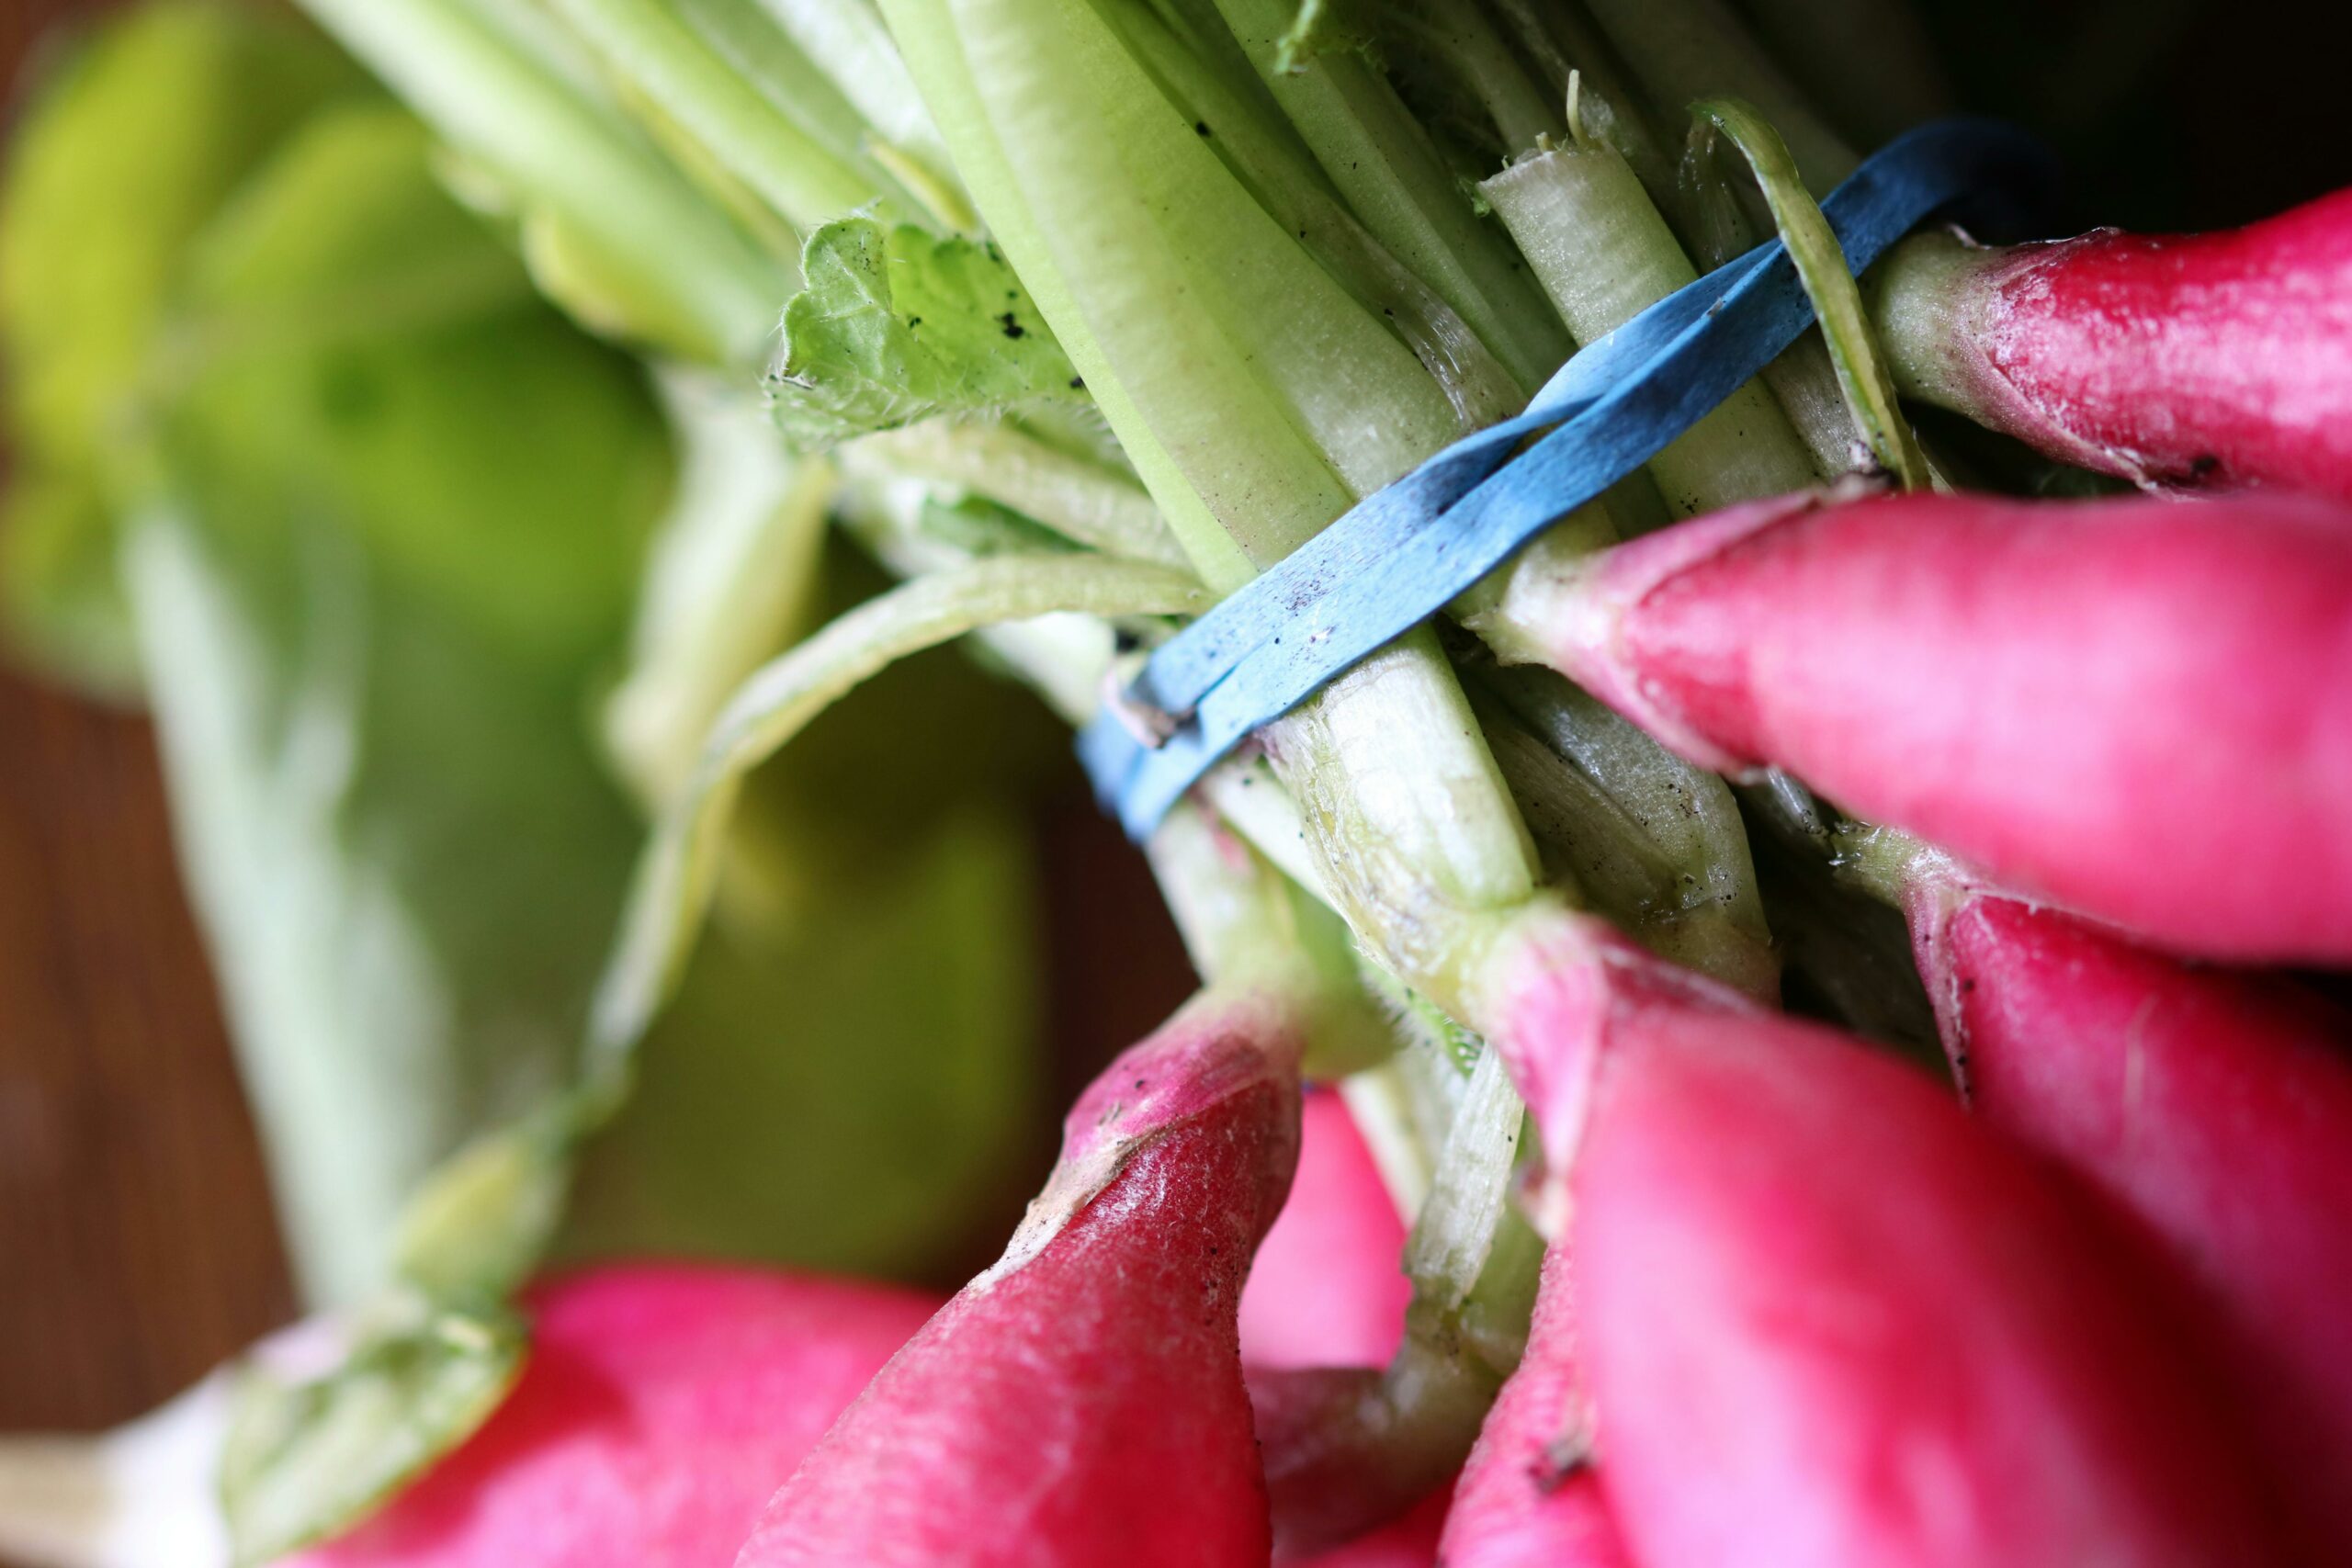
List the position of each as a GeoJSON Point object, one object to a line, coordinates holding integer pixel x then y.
{"type": "Point", "coordinates": [1404, 553]}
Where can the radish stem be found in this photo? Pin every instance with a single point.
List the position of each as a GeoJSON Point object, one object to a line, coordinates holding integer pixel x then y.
{"type": "Point", "coordinates": [670, 268]}
{"type": "Point", "coordinates": [1082, 501]}
{"type": "Point", "coordinates": [1829, 284]}
{"type": "Point", "coordinates": [680, 866]}
{"type": "Point", "coordinates": [648, 45]}
{"type": "Point", "coordinates": [1603, 254]}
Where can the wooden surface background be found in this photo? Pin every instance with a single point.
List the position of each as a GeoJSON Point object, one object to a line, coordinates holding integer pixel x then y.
{"type": "Point", "coordinates": [136, 1242]}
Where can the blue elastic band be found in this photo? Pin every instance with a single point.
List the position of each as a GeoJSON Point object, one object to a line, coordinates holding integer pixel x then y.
{"type": "Point", "coordinates": [1404, 553]}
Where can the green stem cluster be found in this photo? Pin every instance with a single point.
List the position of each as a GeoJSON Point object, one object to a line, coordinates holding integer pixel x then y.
{"type": "Point", "coordinates": [1265, 259]}
{"type": "Point", "coordinates": [614, 231]}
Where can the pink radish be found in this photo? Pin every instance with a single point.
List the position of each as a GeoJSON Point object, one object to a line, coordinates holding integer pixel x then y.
{"type": "Point", "coordinates": [1528, 1499]}
{"type": "Point", "coordinates": [1082, 1402]}
{"type": "Point", "coordinates": [2136, 708]}
{"type": "Point", "coordinates": [2197, 359]}
{"type": "Point", "coordinates": [659, 1406]}
{"type": "Point", "coordinates": [1825, 1318]}
{"type": "Point", "coordinates": [1328, 1287]}
{"type": "Point", "coordinates": [1329, 1290]}
{"type": "Point", "coordinates": [2216, 1106]}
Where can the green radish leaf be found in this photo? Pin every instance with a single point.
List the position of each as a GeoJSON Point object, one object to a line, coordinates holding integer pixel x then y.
{"type": "Point", "coordinates": [387, 531]}
{"type": "Point", "coordinates": [348, 329]}
{"type": "Point", "coordinates": [96, 214]}
{"type": "Point", "coordinates": [898, 325]}
{"type": "Point", "coordinates": [803, 1098]}
{"type": "Point", "coordinates": [482, 1221]}
{"type": "Point", "coordinates": [100, 207]}
{"type": "Point", "coordinates": [1821, 264]}
{"type": "Point", "coordinates": [410, 856]}
{"type": "Point", "coordinates": [306, 1458]}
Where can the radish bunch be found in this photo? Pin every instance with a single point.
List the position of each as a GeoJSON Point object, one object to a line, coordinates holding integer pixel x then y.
{"type": "Point", "coordinates": [1536, 1177]}
{"type": "Point", "coordinates": [1817, 1306]}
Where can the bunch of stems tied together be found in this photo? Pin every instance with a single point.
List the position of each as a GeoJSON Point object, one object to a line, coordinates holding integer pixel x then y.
{"type": "Point", "coordinates": [1093, 310]}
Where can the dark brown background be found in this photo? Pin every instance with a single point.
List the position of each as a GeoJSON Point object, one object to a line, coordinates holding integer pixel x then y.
{"type": "Point", "coordinates": [136, 1247]}
{"type": "Point", "coordinates": [135, 1235]}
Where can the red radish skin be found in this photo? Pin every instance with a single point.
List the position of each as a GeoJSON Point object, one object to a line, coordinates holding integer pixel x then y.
{"type": "Point", "coordinates": [2213, 360]}
{"type": "Point", "coordinates": [2216, 1106]}
{"type": "Point", "coordinates": [1528, 1498]}
{"type": "Point", "coordinates": [658, 1408]}
{"type": "Point", "coordinates": [2133, 708]}
{"type": "Point", "coordinates": [1082, 1402]}
{"type": "Point", "coordinates": [1828, 1320]}
{"type": "Point", "coordinates": [1328, 1286]}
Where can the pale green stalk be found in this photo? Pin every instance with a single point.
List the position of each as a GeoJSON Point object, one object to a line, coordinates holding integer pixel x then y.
{"type": "Point", "coordinates": [1257, 147]}
{"type": "Point", "coordinates": [1882, 862]}
{"type": "Point", "coordinates": [1411, 824]}
{"type": "Point", "coordinates": [1695, 48]}
{"type": "Point", "coordinates": [731, 573]}
{"type": "Point", "coordinates": [650, 47]}
{"type": "Point", "coordinates": [827, 66]}
{"type": "Point", "coordinates": [1468, 1255]}
{"type": "Point", "coordinates": [667, 265]}
{"type": "Point", "coordinates": [926, 36]}
{"type": "Point", "coordinates": [1714, 223]}
{"type": "Point", "coordinates": [1279, 398]}
{"type": "Point", "coordinates": [1065, 659]}
{"type": "Point", "coordinates": [1244, 919]}
{"type": "Point", "coordinates": [1367, 1443]}
{"type": "Point", "coordinates": [1264, 385]}
{"type": "Point", "coordinates": [1837, 299]}
{"type": "Point", "coordinates": [849, 41]}
{"type": "Point", "coordinates": [1655, 844]}
{"type": "Point", "coordinates": [1245, 924]}
{"type": "Point", "coordinates": [1604, 253]}
{"type": "Point", "coordinates": [1455, 37]}
{"type": "Point", "coordinates": [1931, 340]}
{"type": "Point", "coordinates": [1083, 502]}
{"type": "Point", "coordinates": [1381, 1104]}
{"type": "Point", "coordinates": [769, 60]}
{"type": "Point", "coordinates": [1804, 383]}
{"type": "Point", "coordinates": [1379, 158]}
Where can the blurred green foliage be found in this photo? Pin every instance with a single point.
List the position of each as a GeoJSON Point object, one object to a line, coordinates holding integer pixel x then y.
{"type": "Point", "coordinates": [118, 161]}
{"type": "Point", "coordinates": [297, 436]}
